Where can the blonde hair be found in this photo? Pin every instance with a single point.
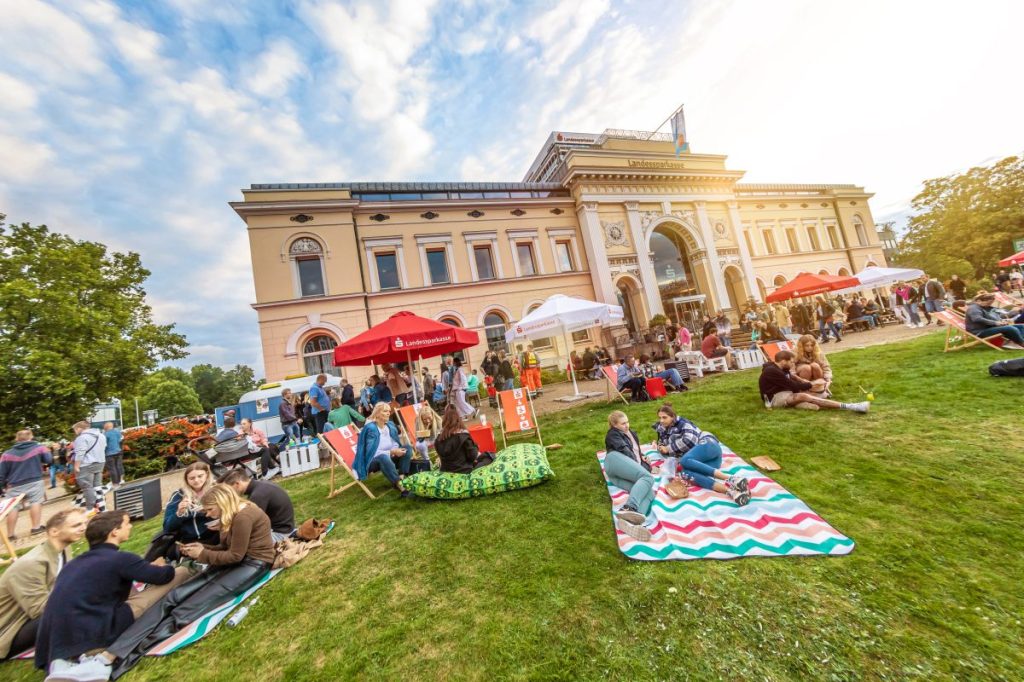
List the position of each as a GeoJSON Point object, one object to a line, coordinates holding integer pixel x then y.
{"type": "Point", "coordinates": [377, 409]}
{"type": "Point", "coordinates": [802, 355]}
{"type": "Point", "coordinates": [186, 490]}
{"type": "Point", "coordinates": [226, 499]}
{"type": "Point", "coordinates": [615, 417]}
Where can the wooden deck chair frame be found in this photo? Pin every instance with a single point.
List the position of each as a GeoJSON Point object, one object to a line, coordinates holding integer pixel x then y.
{"type": "Point", "coordinates": [338, 459]}
{"type": "Point", "coordinates": [10, 504]}
{"type": "Point", "coordinates": [533, 413]}
{"type": "Point", "coordinates": [957, 336]}
{"type": "Point", "coordinates": [409, 430]}
{"type": "Point", "coordinates": [613, 383]}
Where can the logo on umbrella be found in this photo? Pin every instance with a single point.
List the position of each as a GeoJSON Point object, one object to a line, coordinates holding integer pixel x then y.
{"type": "Point", "coordinates": [398, 342]}
{"type": "Point", "coordinates": [519, 330]}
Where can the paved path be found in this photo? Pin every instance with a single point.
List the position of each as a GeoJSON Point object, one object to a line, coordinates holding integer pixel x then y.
{"type": "Point", "coordinates": [546, 403]}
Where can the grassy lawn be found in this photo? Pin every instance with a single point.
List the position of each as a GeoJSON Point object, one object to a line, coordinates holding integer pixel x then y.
{"type": "Point", "coordinates": [531, 584]}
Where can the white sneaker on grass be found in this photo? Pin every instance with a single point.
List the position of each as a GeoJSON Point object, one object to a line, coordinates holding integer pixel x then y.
{"type": "Point", "coordinates": [633, 530]}
{"type": "Point", "coordinates": [88, 669]}
{"type": "Point", "coordinates": [860, 407]}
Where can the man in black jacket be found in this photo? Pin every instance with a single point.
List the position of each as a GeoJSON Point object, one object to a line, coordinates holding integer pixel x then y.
{"type": "Point", "coordinates": [269, 497]}
{"type": "Point", "coordinates": [779, 388]}
{"type": "Point", "coordinates": [93, 602]}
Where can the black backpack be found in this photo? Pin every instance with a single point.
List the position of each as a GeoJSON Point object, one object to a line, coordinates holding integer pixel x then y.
{"type": "Point", "coordinates": [1007, 368]}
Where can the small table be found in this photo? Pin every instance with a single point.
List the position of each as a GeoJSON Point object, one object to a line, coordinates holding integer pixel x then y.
{"type": "Point", "coordinates": [483, 436]}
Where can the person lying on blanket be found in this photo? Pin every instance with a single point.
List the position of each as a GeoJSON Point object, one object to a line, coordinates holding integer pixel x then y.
{"type": "Point", "coordinates": [456, 448]}
{"type": "Point", "coordinates": [700, 453]}
{"type": "Point", "coordinates": [93, 602]}
{"type": "Point", "coordinates": [626, 468]}
{"type": "Point", "coordinates": [243, 557]}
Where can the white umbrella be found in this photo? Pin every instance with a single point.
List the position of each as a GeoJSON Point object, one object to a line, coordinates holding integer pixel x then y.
{"type": "Point", "coordinates": [564, 314]}
{"type": "Point", "coordinates": [873, 277]}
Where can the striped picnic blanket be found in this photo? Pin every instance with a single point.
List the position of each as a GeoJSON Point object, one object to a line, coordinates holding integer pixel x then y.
{"type": "Point", "coordinates": [708, 525]}
{"type": "Point", "coordinates": [202, 626]}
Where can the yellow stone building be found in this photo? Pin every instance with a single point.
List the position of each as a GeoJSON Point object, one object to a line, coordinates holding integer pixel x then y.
{"type": "Point", "coordinates": [615, 217]}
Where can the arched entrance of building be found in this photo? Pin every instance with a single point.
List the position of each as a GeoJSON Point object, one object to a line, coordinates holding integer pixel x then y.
{"type": "Point", "coordinates": [734, 287]}
{"type": "Point", "coordinates": [682, 297]}
{"type": "Point", "coordinates": [628, 290]}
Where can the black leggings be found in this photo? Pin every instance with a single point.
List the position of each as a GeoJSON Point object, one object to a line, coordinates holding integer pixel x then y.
{"type": "Point", "coordinates": [25, 638]}
{"type": "Point", "coordinates": [181, 606]}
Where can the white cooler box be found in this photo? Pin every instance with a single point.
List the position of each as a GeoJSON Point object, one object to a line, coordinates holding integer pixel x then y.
{"type": "Point", "coordinates": [300, 459]}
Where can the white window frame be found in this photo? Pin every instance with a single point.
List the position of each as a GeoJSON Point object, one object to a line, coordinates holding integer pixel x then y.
{"type": "Point", "coordinates": [565, 235]}
{"type": "Point", "coordinates": [371, 246]}
{"type": "Point", "coordinates": [516, 237]}
{"type": "Point", "coordinates": [431, 242]}
{"type": "Point", "coordinates": [480, 239]}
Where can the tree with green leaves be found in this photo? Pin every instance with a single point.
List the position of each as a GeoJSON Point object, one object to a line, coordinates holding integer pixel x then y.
{"type": "Point", "coordinates": [965, 223]}
{"type": "Point", "coordinates": [171, 398]}
{"type": "Point", "coordinates": [217, 387]}
{"type": "Point", "coordinates": [74, 328]}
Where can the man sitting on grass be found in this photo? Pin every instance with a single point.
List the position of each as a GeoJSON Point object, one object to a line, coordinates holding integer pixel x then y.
{"type": "Point", "coordinates": [269, 497]}
{"type": "Point", "coordinates": [26, 585]}
{"type": "Point", "coordinates": [779, 388]}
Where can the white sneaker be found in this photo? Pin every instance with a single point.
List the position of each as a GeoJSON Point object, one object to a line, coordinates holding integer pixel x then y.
{"type": "Point", "coordinates": [860, 407]}
{"type": "Point", "coordinates": [88, 669]}
{"type": "Point", "coordinates": [633, 530]}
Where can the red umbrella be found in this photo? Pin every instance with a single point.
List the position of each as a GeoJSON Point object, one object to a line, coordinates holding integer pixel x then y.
{"type": "Point", "coordinates": [1015, 259]}
{"type": "Point", "coordinates": [806, 284]}
{"type": "Point", "coordinates": [403, 336]}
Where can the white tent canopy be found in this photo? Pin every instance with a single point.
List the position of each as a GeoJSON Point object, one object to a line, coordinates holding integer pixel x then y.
{"type": "Point", "coordinates": [563, 315]}
{"type": "Point", "coordinates": [873, 276]}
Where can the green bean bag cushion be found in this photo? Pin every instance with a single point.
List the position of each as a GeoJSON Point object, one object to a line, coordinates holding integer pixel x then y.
{"type": "Point", "coordinates": [518, 466]}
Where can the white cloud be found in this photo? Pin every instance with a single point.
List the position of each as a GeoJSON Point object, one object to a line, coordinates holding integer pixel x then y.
{"type": "Point", "coordinates": [562, 30]}
{"type": "Point", "coordinates": [40, 40]}
{"type": "Point", "coordinates": [23, 160]}
{"type": "Point", "coordinates": [17, 94]}
{"type": "Point", "coordinates": [275, 69]}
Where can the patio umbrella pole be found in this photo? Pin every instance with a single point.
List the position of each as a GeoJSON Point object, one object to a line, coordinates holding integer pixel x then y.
{"type": "Point", "coordinates": [412, 376]}
{"type": "Point", "coordinates": [568, 359]}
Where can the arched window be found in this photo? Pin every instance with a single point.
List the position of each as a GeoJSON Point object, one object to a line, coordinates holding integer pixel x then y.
{"type": "Point", "coordinates": [307, 254]}
{"type": "Point", "coordinates": [318, 356]}
{"type": "Point", "coordinates": [823, 272]}
{"type": "Point", "coordinates": [858, 226]}
{"type": "Point", "coordinates": [843, 272]}
{"type": "Point", "coordinates": [495, 326]}
{"type": "Point", "coordinates": [761, 288]}
{"type": "Point", "coordinates": [451, 321]}
{"type": "Point", "coordinates": [779, 281]}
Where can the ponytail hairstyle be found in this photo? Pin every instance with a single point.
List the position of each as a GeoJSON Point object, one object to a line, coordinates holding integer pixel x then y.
{"type": "Point", "coordinates": [667, 409]}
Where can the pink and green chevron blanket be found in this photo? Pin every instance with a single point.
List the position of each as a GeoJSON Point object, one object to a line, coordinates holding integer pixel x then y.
{"type": "Point", "coordinates": [708, 525]}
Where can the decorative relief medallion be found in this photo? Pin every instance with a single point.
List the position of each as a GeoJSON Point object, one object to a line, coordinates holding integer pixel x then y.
{"type": "Point", "coordinates": [517, 212]}
{"type": "Point", "coordinates": [380, 217]}
{"type": "Point", "coordinates": [430, 215]}
{"type": "Point", "coordinates": [720, 229]}
{"type": "Point", "coordinates": [557, 211]}
{"type": "Point", "coordinates": [305, 246]}
{"type": "Point", "coordinates": [475, 213]}
{"type": "Point", "coordinates": [301, 218]}
{"type": "Point", "coordinates": [614, 233]}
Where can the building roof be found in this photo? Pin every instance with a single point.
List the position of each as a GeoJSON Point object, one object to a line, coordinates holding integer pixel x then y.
{"type": "Point", "coordinates": [415, 186]}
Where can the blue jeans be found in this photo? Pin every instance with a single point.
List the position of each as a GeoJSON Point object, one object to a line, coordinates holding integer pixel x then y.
{"type": "Point", "coordinates": [933, 305]}
{"type": "Point", "coordinates": [384, 464]}
{"type": "Point", "coordinates": [822, 329]}
{"type": "Point", "coordinates": [700, 463]}
{"type": "Point", "coordinates": [626, 473]}
{"type": "Point", "coordinates": [671, 376]}
{"type": "Point", "coordinates": [292, 431]}
{"type": "Point", "coordinates": [911, 309]}
{"type": "Point", "coordinates": [1012, 332]}
{"type": "Point", "coordinates": [509, 384]}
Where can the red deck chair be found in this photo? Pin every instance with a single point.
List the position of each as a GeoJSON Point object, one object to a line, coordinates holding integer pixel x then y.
{"type": "Point", "coordinates": [342, 444]}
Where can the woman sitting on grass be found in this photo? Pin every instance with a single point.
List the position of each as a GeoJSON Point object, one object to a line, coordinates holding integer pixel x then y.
{"type": "Point", "coordinates": [626, 468]}
{"type": "Point", "coordinates": [184, 519]}
{"type": "Point", "coordinates": [456, 448]}
{"type": "Point", "coordinates": [379, 445]}
{"type": "Point", "coordinates": [812, 365]}
{"type": "Point", "coordinates": [243, 556]}
{"type": "Point", "coordinates": [701, 455]}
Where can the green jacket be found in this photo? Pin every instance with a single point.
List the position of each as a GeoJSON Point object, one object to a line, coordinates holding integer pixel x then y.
{"type": "Point", "coordinates": [24, 589]}
{"type": "Point", "coordinates": [343, 416]}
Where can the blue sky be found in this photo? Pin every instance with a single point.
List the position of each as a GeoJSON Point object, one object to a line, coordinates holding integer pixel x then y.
{"type": "Point", "coordinates": [135, 123]}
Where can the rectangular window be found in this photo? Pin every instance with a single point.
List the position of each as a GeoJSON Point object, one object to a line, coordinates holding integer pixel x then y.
{"type": "Point", "coordinates": [524, 250]}
{"type": "Point", "coordinates": [484, 262]}
{"type": "Point", "coordinates": [387, 271]}
{"type": "Point", "coordinates": [750, 242]}
{"type": "Point", "coordinates": [812, 234]}
{"type": "Point", "coordinates": [794, 247]}
{"type": "Point", "coordinates": [769, 242]}
{"type": "Point", "coordinates": [563, 255]}
{"type": "Point", "coordinates": [437, 261]}
{"type": "Point", "coordinates": [833, 238]}
{"type": "Point", "coordinates": [581, 336]}
{"type": "Point", "coordinates": [540, 344]}
{"type": "Point", "coordinates": [311, 276]}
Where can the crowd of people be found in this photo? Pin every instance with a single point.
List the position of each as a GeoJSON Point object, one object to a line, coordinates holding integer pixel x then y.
{"type": "Point", "coordinates": [94, 616]}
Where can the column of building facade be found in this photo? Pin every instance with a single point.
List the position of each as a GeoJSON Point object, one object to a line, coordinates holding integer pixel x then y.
{"type": "Point", "coordinates": [597, 256]}
{"type": "Point", "coordinates": [648, 278]}
{"type": "Point", "coordinates": [712, 254]}
{"type": "Point", "coordinates": [748, 265]}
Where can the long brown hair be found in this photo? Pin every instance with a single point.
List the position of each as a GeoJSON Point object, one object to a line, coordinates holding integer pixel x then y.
{"type": "Point", "coordinates": [801, 354]}
{"type": "Point", "coordinates": [666, 409]}
{"type": "Point", "coordinates": [451, 423]}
